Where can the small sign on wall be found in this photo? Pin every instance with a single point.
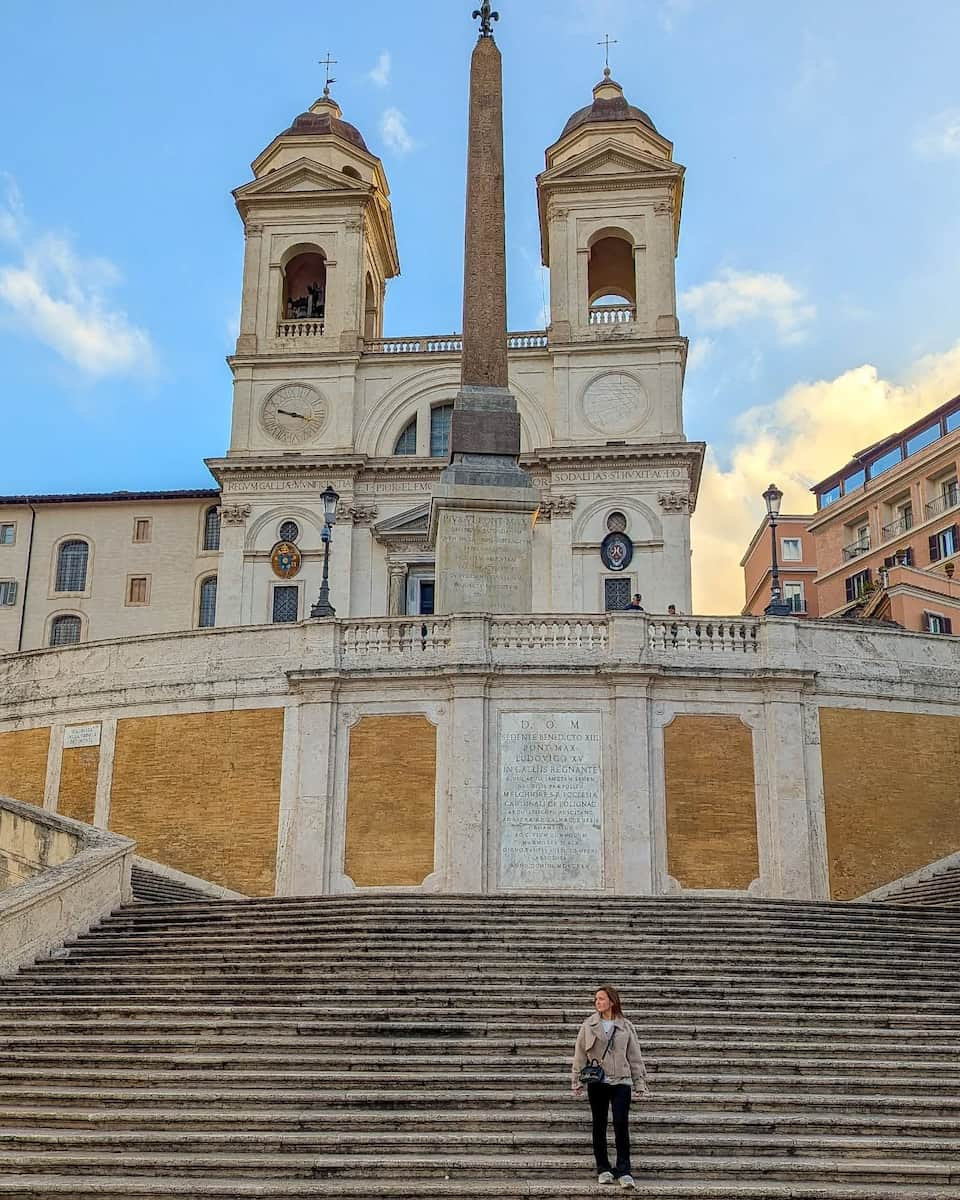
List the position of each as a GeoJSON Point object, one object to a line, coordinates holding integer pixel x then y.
{"type": "Point", "coordinates": [81, 735]}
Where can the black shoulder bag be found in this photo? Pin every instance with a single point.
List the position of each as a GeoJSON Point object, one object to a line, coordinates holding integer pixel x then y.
{"type": "Point", "coordinates": [593, 1072]}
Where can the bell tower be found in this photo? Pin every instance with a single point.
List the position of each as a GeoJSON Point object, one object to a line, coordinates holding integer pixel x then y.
{"type": "Point", "coordinates": [319, 248]}
{"type": "Point", "coordinates": [609, 220]}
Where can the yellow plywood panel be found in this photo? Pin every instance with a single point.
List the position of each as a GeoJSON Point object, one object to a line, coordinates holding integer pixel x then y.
{"type": "Point", "coordinates": [78, 782]}
{"type": "Point", "coordinates": [391, 801]}
{"type": "Point", "coordinates": [711, 802]}
{"type": "Point", "coordinates": [201, 792]}
{"type": "Point", "coordinates": [891, 785]}
{"type": "Point", "coordinates": [23, 764]}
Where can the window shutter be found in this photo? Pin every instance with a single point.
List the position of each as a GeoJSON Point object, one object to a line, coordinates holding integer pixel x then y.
{"type": "Point", "coordinates": [934, 548]}
{"type": "Point", "coordinates": [947, 625]}
{"type": "Point", "coordinates": [12, 592]}
{"type": "Point", "coordinates": [890, 561]}
{"type": "Point", "coordinates": [849, 586]}
{"type": "Point", "coordinates": [908, 555]}
{"type": "Point", "coordinates": [869, 574]}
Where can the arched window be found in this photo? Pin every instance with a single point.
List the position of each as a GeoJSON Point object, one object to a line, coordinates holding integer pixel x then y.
{"type": "Point", "coordinates": [72, 566]}
{"type": "Point", "coordinates": [370, 310]}
{"type": "Point", "coordinates": [407, 441]}
{"type": "Point", "coordinates": [612, 280]}
{"type": "Point", "coordinates": [207, 616]}
{"type": "Point", "coordinates": [289, 531]}
{"type": "Point", "coordinates": [305, 287]}
{"type": "Point", "coordinates": [440, 430]}
{"type": "Point", "coordinates": [65, 631]}
{"type": "Point", "coordinates": [211, 528]}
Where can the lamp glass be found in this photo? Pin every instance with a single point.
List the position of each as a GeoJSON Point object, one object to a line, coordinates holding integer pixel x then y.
{"type": "Point", "coordinates": [330, 498]}
{"type": "Point", "coordinates": [772, 497]}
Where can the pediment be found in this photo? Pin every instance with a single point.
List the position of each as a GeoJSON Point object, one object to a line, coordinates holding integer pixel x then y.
{"type": "Point", "coordinates": [414, 523]}
{"type": "Point", "coordinates": [304, 175]}
{"type": "Point", "coordinates": [612, 158]}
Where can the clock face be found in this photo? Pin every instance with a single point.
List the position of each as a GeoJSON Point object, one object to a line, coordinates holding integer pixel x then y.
{"type": "Point", "coordinates": [293, 414]}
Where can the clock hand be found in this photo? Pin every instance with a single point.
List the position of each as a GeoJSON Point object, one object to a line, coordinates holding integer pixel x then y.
{"type": "Point", "coordinates": [287, 413]}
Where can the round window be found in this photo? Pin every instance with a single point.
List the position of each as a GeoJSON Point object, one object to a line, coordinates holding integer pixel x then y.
{"type": "Point", "coordinates": [616, 522]}
{"type": "Point", "coordinates": [289, 531]}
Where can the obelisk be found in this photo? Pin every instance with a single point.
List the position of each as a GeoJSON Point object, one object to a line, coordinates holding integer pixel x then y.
{"type": "Point", "coordinates": [484, 507]}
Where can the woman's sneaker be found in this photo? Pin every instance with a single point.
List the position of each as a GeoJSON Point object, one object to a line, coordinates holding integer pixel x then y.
{"type": "Point", "coordinates": [627, 1181]}
{"type": "Point", "coordinates": [606, 1177]}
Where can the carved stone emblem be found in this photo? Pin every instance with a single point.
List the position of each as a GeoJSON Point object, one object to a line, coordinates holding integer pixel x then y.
{"type": "Point", "coordinates": [674, 502]}
{"type": "Point", "coordinates": [557, 506]}
{"type": "Point", "coordinates": [360, 514]}
{"type": "Point", "coordinates": [234, 514]}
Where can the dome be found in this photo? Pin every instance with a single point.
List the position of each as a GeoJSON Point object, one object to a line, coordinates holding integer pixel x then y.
{"type": "Point", "coordinates": [609, 104]}
{"type": "Point", "coordinates": [325, 117]}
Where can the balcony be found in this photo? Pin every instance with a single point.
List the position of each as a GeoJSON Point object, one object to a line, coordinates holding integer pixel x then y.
{"type": "Point", "coordinates": [898, 527]}
{"type": "Point", "coordinates": [855, 549]}
{"type": "Point", "coordinates": [535, 339]}
{"type": "Point", "coordinates": [950, 498]}
{"type": "Point", "coordinates": [300, 327]}
{"type": "Point", "coordinates": [612, 314]}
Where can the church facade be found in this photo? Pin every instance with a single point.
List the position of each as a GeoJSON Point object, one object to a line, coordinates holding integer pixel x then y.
{"type": "Point", "coordinates": [323, 400]}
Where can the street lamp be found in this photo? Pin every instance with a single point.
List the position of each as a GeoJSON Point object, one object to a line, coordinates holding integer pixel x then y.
{"type": "Point", "coordinates": [323, 607]}
{"type": "Point", "coordinates": [776, 608]}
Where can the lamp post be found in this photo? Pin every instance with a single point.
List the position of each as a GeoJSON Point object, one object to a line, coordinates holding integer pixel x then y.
{"type": "Point", "coordinates": [323, 607]}
{"type": "Point", "coordinates": [776, 608]}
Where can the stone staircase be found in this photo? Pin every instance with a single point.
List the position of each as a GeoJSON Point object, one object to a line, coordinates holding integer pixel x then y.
{"type": "Point", "coordinates": [392, 1047]}
{"type": "Point", "coordinates": [940, 888]}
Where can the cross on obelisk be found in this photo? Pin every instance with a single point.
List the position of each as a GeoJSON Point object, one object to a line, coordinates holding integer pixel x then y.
{"type": "Point", "coordinates": [483, 508]}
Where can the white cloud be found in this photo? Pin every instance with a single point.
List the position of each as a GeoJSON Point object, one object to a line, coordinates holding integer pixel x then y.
{"type": "Point", "coordinates": [393, 130]}
{"type": "Point", "coordinates": [700, 351]}
{"type": "Point", "coordinates": [61, 299]}
{"type": "Point", "coordinates": [805, 435]}
{"type": "Point", "coordinates": [739, 296]}
{"type": "Point", "coordinates": [940, 136]}
{"type": "Point", "coordinates": [380, 74]}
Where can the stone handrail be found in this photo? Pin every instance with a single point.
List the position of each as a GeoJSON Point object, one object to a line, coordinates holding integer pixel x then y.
{"type": "Point", "coordinates": [450, 343]}
{"type": "Point", "coordinates": [69, 876]}
{"type": "Point", "coordinates": [703, 635]}
{"type": "Point", "coordinates": [299, 327]}
{"type": "Point", "coordinates": [612, 314]}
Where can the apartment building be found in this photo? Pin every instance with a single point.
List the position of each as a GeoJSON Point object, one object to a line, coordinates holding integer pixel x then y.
{"type": "Point", "coordinates": [887, 528]}
{"type": "Point", "coordinates": [797, 562]}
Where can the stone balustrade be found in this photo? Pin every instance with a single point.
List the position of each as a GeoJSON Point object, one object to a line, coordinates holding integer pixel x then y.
{"type": "Point", "coordinates": [300, 328]}
{"type": "Point", "coordinates": [451, 343]}
{"type": "Point", "coordinates": [612, 314]}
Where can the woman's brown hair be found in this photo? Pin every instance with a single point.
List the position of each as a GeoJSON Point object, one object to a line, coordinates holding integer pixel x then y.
{"type": "Point", "coordinates": [615, 1006]}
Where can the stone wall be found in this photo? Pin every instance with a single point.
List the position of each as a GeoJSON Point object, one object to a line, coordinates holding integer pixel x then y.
{"type": "Point", "coordinates": [891, 794]}
{"type": "Point", "coordinates": [791, 758]}
{"type": "Point", "coordinates": [29, 846]}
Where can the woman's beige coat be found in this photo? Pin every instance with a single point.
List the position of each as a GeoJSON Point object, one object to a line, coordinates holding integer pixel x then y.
{"type": "Point", "coordinates": [623, 1059]}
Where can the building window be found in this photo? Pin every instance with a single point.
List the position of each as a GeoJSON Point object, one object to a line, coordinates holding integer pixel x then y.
{"type": "Point", "coordinates": [950, 492]}
{"type": "Point", "coordinates": [831, 496]}
{"type": "Point", "coordinates": [902, 558]}
{"type": "Point", "coordinates": [289, 531]}
{"type": "Point", "coordinates": [8, 535]}
{"type": "Point", "coordinates": [65, 631]}
{"type": "Point", "coordinates": [8, 592]}
{"type": "Point", "coordinates": [937, 623]}
{"type": "Point", "coordinates": [72, 566]}
{"type": "Point", "coordinates": [440, 430]}
{"type": "Point", "coordinates": [791, 549]}
{"type": "Point", "coordinates": [211, 528]}
{"type": "Point", "coordinates": [944, 543]}
{"type": "Point", "coordinates": [207, 616]}
{"type": "Point", "coordinates": [924, 438]}
{"type": "Point", "coordinates": [793, 595]}
{"type": "Point", "coordinates": [616, 594]}
{"type": "Point", "coordinates": [886, 461]}
{"type": "Point", "coordinates": [286, 603]}
{"type": "Point", "coordinates": [141, 529]}
{"type": "Point", "coordinates": [857, 585]}
{"type": "Point", "coordinates": [617, 522]}
{"type": "Point", "coordinates": [138, 589]}
{"type": "Point", "coordinates": [407, 441]}
{"type": "Point", "coordinates": [427, 592]}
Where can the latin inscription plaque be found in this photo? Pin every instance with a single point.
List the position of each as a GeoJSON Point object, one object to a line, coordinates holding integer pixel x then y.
{"type": "Point", "coordinates": [550, 800]}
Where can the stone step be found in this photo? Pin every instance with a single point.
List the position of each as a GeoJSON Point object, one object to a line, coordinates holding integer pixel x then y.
{"type": "Point", "coordinates": [408, 1067]}
{"type": "Point", "coordinates": [533, 1165]}
{"type": "Point", "coordinates": [771, 1093]}
{"type": "Point", "coordinates": [455, 1141]}
{"type": "Point", "coordinates": [649, 1120]}
{"type": "Point", "coordinates": [25, 1187]}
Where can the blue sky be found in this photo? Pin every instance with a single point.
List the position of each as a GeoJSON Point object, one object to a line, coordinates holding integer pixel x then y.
{"type": "Point", "coordinates": [821, 225]}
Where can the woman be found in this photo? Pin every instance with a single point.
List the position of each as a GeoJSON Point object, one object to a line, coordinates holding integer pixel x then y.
{"type": "Point", "coordinates": [608, 1037]}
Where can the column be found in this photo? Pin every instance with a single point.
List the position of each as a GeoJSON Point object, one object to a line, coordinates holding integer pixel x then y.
{"type": "Point", "coordinates": [108, 743]}
{"type": "Point", "coordinates": [663, 284]}
{"type": "Point", "coordinates": [306, 791]}
{"type": "Point", "coordinates": [466, 818]}
{"type": "Point", "coordinates": [634, 794]}
{"type": "Point", "coordinates": [560, 284]}
{"type": "Point", "coordinates": [561, 559]}
{"type": "Point", "coordinates": [397, 599]}
{"type": "Point", "coordinates": [233, 527]}
{"type": "Point", "coordinates": [249, 299]}
{"type": "Point", "coordinates": [791, 852]}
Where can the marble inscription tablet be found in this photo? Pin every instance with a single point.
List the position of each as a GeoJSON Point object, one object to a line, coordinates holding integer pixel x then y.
{"type": "Point", "coordinates": [550, 800]}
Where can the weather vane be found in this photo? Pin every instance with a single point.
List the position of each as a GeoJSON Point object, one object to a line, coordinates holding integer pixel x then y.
{"type": "Point", "coordinates": [486, 18]}
{"type": "Point", "coordinates": [606, 44]}
{"type": "Point", "coordinates": [328, 62]}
